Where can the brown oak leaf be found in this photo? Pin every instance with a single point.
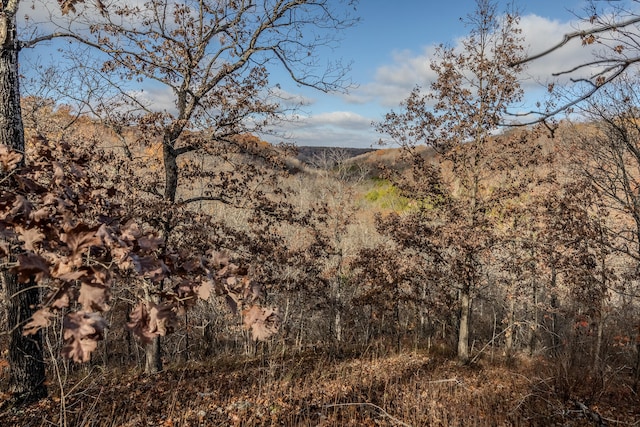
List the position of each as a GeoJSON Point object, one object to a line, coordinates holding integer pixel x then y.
{"type": "Point", "coordinates": [9, 159]}
{"type": "Point", "coordinates": [31, 266]}
{"type": "Point", "coordinates": [130, 232]}
{"type": "Point", "coordinates": [204, 290]}
{"type": "Point", "coordinates": [149, 320]}
{"type": "Point", "coordinates": [81, 238]}
{"type": "Point", "coordinates": [67, 6]}
{"type": "Point", "coordinates": [82, 331]}
{"type": "Point", "coordinates": [150, 243]}
{"type": "Point", "coordinates": [21, 206]}
{"type": "Point", "coordinates": [93, 297]}
{"type": "Point", "coordinates": [263, 322]}
{"type": "Point", "coordinates": [139, 323]}
{"type": "Point", "coordinates": [39, 319]}
{"type": "Point", "coordinates": [30, 236]}
{"type": "Point", "coordinates": [150, 267]}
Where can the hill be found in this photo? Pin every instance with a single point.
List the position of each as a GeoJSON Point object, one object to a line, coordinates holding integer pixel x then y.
{"type": "Point", "coordinates": [309, 155]}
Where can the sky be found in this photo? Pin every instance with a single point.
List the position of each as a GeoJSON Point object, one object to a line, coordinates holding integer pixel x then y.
{"type": "Point", "coordinates": [389, 51]}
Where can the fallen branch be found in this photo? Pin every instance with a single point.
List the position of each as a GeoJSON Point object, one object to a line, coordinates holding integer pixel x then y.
{"type": "Point", "coordinates": [591, 414]}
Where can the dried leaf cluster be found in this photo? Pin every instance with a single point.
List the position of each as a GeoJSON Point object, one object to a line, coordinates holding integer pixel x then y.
{"type": "Point", "coordinates": [66, 236]}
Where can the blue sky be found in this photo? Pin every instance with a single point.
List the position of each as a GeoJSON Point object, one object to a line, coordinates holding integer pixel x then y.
{"type": "Point", "coordinates": [390, 50]}
{"type": "Point", "coordinates": [390, 54]}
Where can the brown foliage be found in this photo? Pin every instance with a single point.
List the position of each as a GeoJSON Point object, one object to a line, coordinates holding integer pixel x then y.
{"type": "Point", "coordinates": [77, 252]}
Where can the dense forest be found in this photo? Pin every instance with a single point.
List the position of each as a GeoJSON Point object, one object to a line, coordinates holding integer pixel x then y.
{"type": "Point", "coordinates": [176, 269]}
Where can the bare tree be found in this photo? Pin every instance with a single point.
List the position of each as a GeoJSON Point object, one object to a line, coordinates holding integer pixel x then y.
{"type": "Point", "coordinates": [610, 157]}
{"type": "Point", "coordinates": [464, 106]}
{"type": "Point", "coordinates": [212, 56]}
{"type": "Point", "coordinates": [215, 59]}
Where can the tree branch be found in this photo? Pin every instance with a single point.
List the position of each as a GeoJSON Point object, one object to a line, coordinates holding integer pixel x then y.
{"type": "Point", "coordinates": [570, 36]}
{"type": "Point", "coordinates": [205, 199]}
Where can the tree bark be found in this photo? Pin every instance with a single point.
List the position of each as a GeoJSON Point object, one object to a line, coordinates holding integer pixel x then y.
{"type": "Point", "coordinates": [153, 357]}
{"type": "Point", "coordinates": [463, 324]}
{"type": "Point", "coordinates": [26, 364]}
{"type": "Point", "coordinates": [170, 159]}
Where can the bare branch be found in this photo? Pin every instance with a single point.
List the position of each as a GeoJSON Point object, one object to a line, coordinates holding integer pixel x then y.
{"type": "Point", "coordinates": [578, 34]}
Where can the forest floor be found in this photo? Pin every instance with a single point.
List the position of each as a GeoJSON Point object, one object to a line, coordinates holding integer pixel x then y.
{"type": "Point", "coordinates": [309, 389]}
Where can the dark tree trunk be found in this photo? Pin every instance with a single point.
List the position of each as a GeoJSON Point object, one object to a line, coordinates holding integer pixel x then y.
{"type": "Point", "coordinates": [170, 159]}
{"type": "Point", "coordinates": [153, 357]}
{"type": "Point", "coordinates": [153, 350]}
{"type": "Point", "coordinates": [12, 130]}
{"type": "Point", "coordinates": [27, 370]}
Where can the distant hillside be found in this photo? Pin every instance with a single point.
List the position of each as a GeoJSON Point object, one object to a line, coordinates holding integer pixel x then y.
{"type": "Point", "coordinates": [376, 161]}
{"type": "Point", "coordinates": [309, 155]}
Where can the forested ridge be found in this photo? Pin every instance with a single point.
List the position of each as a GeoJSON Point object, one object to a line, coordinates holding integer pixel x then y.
{"type": "Point", "coordinates": [543, 326]}
{"type": "Point", "coordinates": [173, 268]}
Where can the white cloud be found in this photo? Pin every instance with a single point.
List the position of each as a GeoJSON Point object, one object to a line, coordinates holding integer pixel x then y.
{"type": "Point", "coordinates": [345, 119]}
{"type": "Point", "coordinates": [156, 98]}
{"type": "Point", "coordinates": [541, 34]}
{"type": "Point", "coordinates": [334, 129]}
{"type": "Point", "coordinates": [393, 82]}
{"type": "Point", "coordinates": [290, 100]}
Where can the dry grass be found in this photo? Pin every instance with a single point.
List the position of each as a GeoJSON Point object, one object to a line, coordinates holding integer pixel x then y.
{"type": "Point", "coordinates": [409, 389]}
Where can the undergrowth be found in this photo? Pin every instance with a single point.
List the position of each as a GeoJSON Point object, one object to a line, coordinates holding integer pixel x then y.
{"type": "Point", "coordinates": [309, 389]}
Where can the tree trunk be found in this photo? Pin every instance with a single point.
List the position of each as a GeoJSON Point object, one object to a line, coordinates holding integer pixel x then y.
{"type": "Point", "coordinates": [153, 357]}
{"type": "Point", "coordinates": [153, 350]}
{"type": "Point", "coordinates": [597, 350]}
{"type": "Point", "coordinates": [532, 331]}
{"type": "Point", "coordinates": [170, 159]}
{"type": "Point", "coordinates": [463, 324]}
{"type": "Point", "coordinates": [337, 312]}
{"type": "Point", "coordinates": [26, 364]}
{"type": "Point", "coordinates": [508, 335]}
{"type": "Point", "coordinates": [555, 338]}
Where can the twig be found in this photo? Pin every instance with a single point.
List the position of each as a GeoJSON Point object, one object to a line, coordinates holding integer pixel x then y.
{"type": "Point", "coordinates": [63, 395]}
{"type": "Point", "coordinates": [599, 419]}
{"type": "Point", "coordinates": [385, 413]}
{"type": "Point", "coordinates": [511, 412]}
{"type": "Point", "coordinates": [489, 343]}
